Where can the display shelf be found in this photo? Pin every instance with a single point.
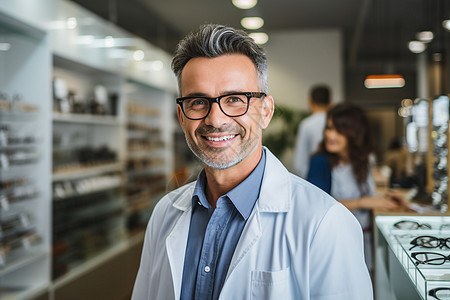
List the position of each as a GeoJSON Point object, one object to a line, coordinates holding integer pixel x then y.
{"type": "Point", "coordinates": [85, 228]}
{"type": "Point", "coordinates": [98, 260]}
{"type": "Point", "coordinates": [86, 186]}
{"type": "Point", "coordinates": [14, 292]}
{"type": "Point", "coordinates": [82, 172]}
{"type": "Point", "coordinates": [437, 156]}
{"type": "Point", "coordinates": [21, 262]}
{"type": "Point", "coordinates": [86, 119]}
{"type": "Point", "coordinates": [18, 117]}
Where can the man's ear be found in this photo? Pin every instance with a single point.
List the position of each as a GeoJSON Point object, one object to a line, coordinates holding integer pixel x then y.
{"type": "Point", "coordinates": [180, 115]}
{"type": "Point", "coordinates": [268, 108]}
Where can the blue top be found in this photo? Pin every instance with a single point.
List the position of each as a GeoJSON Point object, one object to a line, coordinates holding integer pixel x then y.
{"type": "Point", "coordinates": [214, 234]}
{"type": "Point", "coordinates": [319, 172]}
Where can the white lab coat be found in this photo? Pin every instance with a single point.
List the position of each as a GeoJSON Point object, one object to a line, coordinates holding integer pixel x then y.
{"type": "Point", "coordinates": [298, 243]}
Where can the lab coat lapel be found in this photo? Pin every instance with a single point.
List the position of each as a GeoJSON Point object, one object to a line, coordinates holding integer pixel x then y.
{"type": "Point", "coordinates": [176, 243]}
{"type": "Point", "coordinates": [274, 198]}
{"type": "Point", "coordinates": [250, 235]}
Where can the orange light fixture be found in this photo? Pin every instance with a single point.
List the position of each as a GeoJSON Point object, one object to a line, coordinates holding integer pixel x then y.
{"type": "Point", "coordinates": [384, 81]}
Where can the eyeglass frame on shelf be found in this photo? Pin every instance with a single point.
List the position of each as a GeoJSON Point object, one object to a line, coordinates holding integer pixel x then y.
{"type": "Point", "coordinates": [423, 225]}
{"type": "Point", "coordinates": [442, 242]}
{"type": "Point", "coordinates": [433, 292]}
{"type": "Point", "coordinates": [210, 100]}
{"type": "Point", "coordinates": [427, 262]}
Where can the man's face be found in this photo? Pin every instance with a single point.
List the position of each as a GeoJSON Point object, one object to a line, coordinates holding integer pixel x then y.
{"type": "Point", "coordinates": [220, 141]}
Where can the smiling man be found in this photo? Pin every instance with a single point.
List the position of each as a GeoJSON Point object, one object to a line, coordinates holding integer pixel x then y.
{"type": "Point", "coordinates": [247, 228]}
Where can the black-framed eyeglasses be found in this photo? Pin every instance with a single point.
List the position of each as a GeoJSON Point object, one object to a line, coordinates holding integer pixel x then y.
{"type": "Point", "coordinates": [428, 241]}
{"type": "Point", "coordinates": [232, 105]}
{"type": "Point", "coordinates": [430, 258]}
{"type": "Point", "coordinates": [441, 293]}
{"type": "Point", "coordinates": [406, 224]}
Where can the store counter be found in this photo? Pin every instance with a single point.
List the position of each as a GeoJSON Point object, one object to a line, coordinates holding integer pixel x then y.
{"type": "Point", "coordinates": [408, 265]}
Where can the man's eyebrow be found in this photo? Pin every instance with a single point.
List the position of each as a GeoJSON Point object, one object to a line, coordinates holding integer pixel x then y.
{"type": "Point", "coordinates": [196, 94]}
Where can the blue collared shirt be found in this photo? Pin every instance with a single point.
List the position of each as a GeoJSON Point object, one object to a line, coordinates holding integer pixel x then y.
{"type": "Point", "coordinates": [214, 233]}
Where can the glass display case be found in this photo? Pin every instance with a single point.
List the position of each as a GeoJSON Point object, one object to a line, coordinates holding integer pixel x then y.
{"type": "Point", "coordinates": [421, 245]}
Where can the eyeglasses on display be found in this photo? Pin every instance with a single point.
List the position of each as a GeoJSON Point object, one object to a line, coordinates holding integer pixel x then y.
{"type": "Point", "coordinates": [428, 241]}
{"type": "Point", "coordinates": [232, 105]}
{"type": "Point", "coordinates": [441, 293]}
{"type": "Point", "coordinates": [429, 258]}
{"type": "Point", "coordinates": [406, 224]}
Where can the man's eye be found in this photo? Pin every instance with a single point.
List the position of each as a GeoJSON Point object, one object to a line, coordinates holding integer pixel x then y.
{"type": "Point", "coordinates": [199, 102]}
{"type": "Point", "coordinates": [233, 99]}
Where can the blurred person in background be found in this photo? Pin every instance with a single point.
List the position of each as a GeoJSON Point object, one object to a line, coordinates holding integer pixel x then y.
{"type": "Point", "coordinates": [342, 167]}
{"type": "Point", "coordinates": [310, 131]}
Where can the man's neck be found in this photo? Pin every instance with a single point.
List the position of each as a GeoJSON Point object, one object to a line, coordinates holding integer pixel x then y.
{"type": "Point", "coordinates": [319, 109]}
{"type": "Point", "coordinates": [220, 182]}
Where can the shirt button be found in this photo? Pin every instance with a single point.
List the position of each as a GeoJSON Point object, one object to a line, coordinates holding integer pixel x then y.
{"type": "Point", "coordinates": [199, 203]}
{"type": "Point", "coordinates": [207, 269]}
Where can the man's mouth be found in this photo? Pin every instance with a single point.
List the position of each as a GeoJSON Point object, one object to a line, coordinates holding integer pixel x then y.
{"type": "Point", "coordinates": [220, 138]}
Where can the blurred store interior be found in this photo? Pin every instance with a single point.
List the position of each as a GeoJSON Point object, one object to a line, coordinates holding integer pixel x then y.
{"type": "Point", "coordinates": [90, 141]}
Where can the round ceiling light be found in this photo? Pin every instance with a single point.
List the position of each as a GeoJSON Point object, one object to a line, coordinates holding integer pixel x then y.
{"type": "Point", "coordinates": [417, 46]}
{"type": "Point", "coordinates": [259, 37]}
{"type": "Point", "coordinates": [252, 23]}
{"type": "Point", "coordinates": [446, 24]}
{"type": "Point", "coordinates": [425, 36]}
{"type": "Point", "coordinates": [244, 4]}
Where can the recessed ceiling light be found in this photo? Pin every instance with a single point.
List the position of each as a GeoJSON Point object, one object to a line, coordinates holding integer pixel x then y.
{"type": "Point", "coordinates": [252, 23]}
{"type": "Point", "coordinates": [425, 36]}
{"type": "Point", "coordinates": [446, 24]}
{"type": "Point", "coordinates": [138, 55]}
{"type": "Point", "coordinates": [384, 81]}
{"type": "Point", "coordinates": [244, 4]}
{"type": "Point", "coordinates": [417, 46]}
{"type": "Point", "coordinates": [259, 37]}
{"type": "Point", "coordinates": [71, 23]}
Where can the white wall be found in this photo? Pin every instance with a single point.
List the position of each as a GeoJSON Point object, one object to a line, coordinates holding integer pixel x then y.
{"type": "Point", "coordinates": [299, 59]}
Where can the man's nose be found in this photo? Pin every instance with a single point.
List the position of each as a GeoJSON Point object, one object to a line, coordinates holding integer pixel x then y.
{"type": "Point", "coordinates": [216, 117]}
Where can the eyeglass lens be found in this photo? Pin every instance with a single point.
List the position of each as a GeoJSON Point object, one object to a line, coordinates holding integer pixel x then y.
{"type": "Point", "coordinates": [440, 293]}
{"type": "Point", "coordinates": [411, 225]}
{"type": "Point", "coordinates": [231, 105]}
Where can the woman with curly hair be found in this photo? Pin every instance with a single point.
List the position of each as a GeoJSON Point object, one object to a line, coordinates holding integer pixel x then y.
{"type": "Point", "coordinates": [342, 168]}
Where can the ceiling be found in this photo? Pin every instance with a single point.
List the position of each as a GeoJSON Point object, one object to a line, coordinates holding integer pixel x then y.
{"type": "Point", "coordinates": [375, 31]}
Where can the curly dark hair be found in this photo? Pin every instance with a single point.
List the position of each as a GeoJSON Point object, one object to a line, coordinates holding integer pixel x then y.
{"type": "Point", "coordinates": [351, 121]}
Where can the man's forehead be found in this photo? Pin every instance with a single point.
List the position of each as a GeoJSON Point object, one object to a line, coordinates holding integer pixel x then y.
{"type": "Point", "coordinates": [234, 72]}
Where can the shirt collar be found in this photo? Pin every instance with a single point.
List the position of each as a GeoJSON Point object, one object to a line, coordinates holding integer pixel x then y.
{"type": "Point", "coordinates": [243, 196]}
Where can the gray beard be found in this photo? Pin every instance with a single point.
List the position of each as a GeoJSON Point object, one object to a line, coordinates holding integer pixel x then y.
{"type": "Point", "coordinates": [220, 165]}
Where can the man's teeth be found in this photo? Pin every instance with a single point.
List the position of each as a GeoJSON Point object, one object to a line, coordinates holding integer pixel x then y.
{"type": "Point", "coordinates": [219, 139]}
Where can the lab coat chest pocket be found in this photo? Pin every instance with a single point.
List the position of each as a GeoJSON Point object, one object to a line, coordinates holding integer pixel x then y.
{"type": "Point", "coordinates": [271, 285]}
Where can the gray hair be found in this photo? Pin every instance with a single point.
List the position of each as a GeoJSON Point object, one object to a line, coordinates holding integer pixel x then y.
{"type": "Point", "coordinates": [211, 41]}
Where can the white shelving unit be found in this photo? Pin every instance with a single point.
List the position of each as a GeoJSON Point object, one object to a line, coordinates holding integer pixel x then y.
{"type": "Point", "coordinates": [25, 210]}
{"type": "Point", "coordinates": [44, 47]}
